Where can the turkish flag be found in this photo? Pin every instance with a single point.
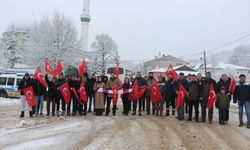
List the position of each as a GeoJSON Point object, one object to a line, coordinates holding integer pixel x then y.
{"type": "Point", "coordinates": [77, 97]}
{"type": "Point", "coordinates": [181, 96]}
{"type": "Point", "coordinates": [232, 86]}
{"type": "Point", "coordinates": [65, 91]}
{"type": "Point", "coordinates": [39, 76]}
{"type": "Point", "coordinates": [48, 68]}
{"type": "Point", "coordinates": [59, 68]}
{"type": "Point", "coordinates": [137, 92]}
{"type": "Point", "coordinates": [29, 95]}
{"type": "Point", "coordinates": [172, 71]}
{"type": "Point", "coordinates": [83, 94]}
{"type": "Point", "coordinates": [115, 92]}
{"type": "Point", "coordinates": [155, 94]}
{"type": "Point", "coordinates": [211, 97]}
{"type": "Point", "coordinates": [82, 68]}
{"type": "Point", "coordinates": [117, 71]}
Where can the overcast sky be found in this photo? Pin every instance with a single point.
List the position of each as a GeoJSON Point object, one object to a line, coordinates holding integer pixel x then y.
{"type": "Point", "coordinates": [142, 28]}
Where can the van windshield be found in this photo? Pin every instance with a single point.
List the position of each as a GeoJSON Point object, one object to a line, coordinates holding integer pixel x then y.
{"type": "Point", "coordinates": [3, 80]}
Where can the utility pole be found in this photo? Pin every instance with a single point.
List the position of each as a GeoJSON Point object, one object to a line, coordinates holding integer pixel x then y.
{"type": "Point", "coordinates": [205, 62]}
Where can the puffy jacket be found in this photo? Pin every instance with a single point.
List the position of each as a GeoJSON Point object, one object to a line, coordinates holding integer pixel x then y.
{"type": "Point", "coordinates": [222, 101]}
{"type": "Point", "coordinates": [193, 90]}
{"type": "Point", "coordinates": [170, 89]}
{"type": "Point", "coordinates": [52, 88]}
{"type": "Point", "coordinates": [242, 92]}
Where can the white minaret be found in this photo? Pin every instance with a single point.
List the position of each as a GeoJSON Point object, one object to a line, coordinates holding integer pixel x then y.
{"type": "Point", "coordinates": [85, 19]}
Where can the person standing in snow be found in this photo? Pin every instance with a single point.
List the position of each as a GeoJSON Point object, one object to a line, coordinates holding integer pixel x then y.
{"type": "Point", "coordinates": [60, 81]}
{"type": "Point", "coordinates": [51, 94]}
{"type": "Point", "coordinates": [242, 96]}
{"type": "Point", "coordinates": [150, 82]}
{"type": "Point", "coordinates": [222, 104]}
{"type": "Point", "coordinates": [39, 91]}
{"type": "Point", "coordinates": [162, 87]}
{"type": "Point", "coordinates": [170, 95]}
{"type": "Point", "coordinates": [26, 82]}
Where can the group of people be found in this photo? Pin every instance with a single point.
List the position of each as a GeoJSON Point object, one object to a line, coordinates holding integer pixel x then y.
{"type": "Point", "coordinates": [100, 92]}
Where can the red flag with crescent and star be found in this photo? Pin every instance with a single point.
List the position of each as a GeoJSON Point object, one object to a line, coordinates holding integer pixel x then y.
{"type": "Point", "coordinates": [172, 71]}
{"type": "Point", "coordinates": [115, 93]}
{"type": "Point", "coordinates": [211, 97]}
{"type": "Point", "coordinates": [83, 94]}
{"type": "Point", "coordinates": [137, 91]}
{"type": "Point", "coordinates": [155, 93]}
{"type": "Point", "coordinates": [232, 86]}
{"type": "Point", "coordinates": [117, 71]}
{"type": "Point", "coordinates": [65, 91]}
{"type": "Point", "coordinates": [82, 67]}
{"type": "Point", "coordinates": [29, 95]}
{"type": "Point", "coordinates": [59, 68]}
{"type": "Point", "coordinates": [48, 68]}
{"type": "Point", "coordinates": [181, 96]}
{"type": "Point", "coordinates": [39, 76]}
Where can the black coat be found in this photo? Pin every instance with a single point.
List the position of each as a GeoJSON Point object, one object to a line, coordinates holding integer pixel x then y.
{"type": "Point", "coordinates": [242, 92]}
{"type": "Point", "coordinates": [92, 82]}
{"type": "Point", "coordinates": [38, 88]}
{"type": "Point", "coordinates": [24, 84]}
{"type": "Point", "coordinates": [52, 88]}
{"type": "Point", "coordinates": [224, 84]}
{"type": "Point", "coordinates": [170, 90]}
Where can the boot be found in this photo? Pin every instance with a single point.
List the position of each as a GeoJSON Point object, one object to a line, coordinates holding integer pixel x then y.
{"type": "Point", "coordinates": [22, 114]}
{"type": "Point", "coordinates": [57, 113]}
{"type": "Point", "coordinates": [53, 114]}
{"type": "Point", "coordinates": [157, 112]}
{"type": "Point", "coordinates": [153, 111]}
{"type": "Point", "coordinates": [173, 113]}
{"type": "Point", "coordinates": [31, 114]}
{"type": "Point", "coordinates": [161, 112]}
{"type": "Point", "coordinates": [167, 113]}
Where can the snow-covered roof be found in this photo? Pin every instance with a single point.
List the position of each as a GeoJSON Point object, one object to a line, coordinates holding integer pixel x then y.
{"type": "Point", "coordinates": [224, 66]}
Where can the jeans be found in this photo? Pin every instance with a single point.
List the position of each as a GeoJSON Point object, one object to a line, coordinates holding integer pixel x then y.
{"type": "Point", "coordinates": [222, 114]}
{"type": "Point", "coordinates": [39, 101]}
{"type": "Point", "coordinates": [241, 104]}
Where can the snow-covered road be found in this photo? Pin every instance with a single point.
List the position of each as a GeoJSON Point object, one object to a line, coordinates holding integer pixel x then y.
{"type": "Point", "coordinates": [119, 132]}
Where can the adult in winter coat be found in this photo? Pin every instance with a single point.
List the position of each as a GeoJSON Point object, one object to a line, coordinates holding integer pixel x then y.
{"type": "Point", "coordinates": [60, 81]}
{"type": "Point", "coordinates": [72, 85]}
{"type": "Point", "coordinates": [125, 96]}
{"type": "Point", "coordinates": [181, 81]}
{"type": "Point", "coordinates": [39, 91]}
{"type": "Point", "coordinates": [193, 98]}
{"type": "Point", "coordinates": [207, 82]}
{"type": "Point", "coordinates": [91, 81]}
{"type": "Point", "coordinates": [225, 82]}
{"type": "Point", "coordinates": [110, 84]}
{"type": "Point", "coordinates": [242, 96]}
{"type": "Point", "coordinates": [162, 87]}
{"type": "Point", "coordinates": [170, 94]}
{"type": "Point", "coordinates": [150, 82]}
{"type": "Point", "coordinates": [141, 83]}
{"type": "Point", "coordinates": [26, 82]}
{"type": "Point", "coordinates": [99, 96]}
{"type": "Point", "coordinates": [51, 94]}
{"type": "Point", "coordinates": [88, 91]}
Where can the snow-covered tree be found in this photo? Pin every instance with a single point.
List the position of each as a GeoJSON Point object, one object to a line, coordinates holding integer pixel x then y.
{"type": "Point", "coordinates": [106, 53]}
{"type": "Point", "coordinates": [10, 53]}
{"type": "Point", "coordinates": [54, 39]}
{"type": "Point", "coordinates": [241, 56]}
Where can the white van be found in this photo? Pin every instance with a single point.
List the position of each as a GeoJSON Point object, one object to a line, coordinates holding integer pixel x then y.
{"type": "Point", "coordinates": [9, 85]}
{"type": "Point", "coordinates": [123, 71]}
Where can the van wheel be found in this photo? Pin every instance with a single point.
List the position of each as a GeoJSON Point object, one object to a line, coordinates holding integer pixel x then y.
{"type": "Point", "coordinates": [3, 94]}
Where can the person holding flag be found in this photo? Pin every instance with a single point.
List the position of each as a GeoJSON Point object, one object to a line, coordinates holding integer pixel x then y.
{"type": "Point", "coordinates": [60, 81]}
{"type": "Point", "coordinates": [242, 96]}
{"type": "Point", "coordinates": [225, 82]}
{"type": "Point", "coordinates": [150, 82]}
{"type": "Point", "coordinates": [40, 91]}
{"type": "Point", "coordinates": [88, 91]}
{"type": "Point", "coordinates": [184, 82]}
{"type": "Point", "coordinates": [99, 96]}
{"type": "Point", "coordinates": [142, 84]}
{"type": "Point", "coordinates": [112, 82]}
{"type": "Point", "coordinates": [25, 82]}
{"type": "Point", "coordinates": [51, 94]}
{"type": "Point", "coordinates": [170, 94]}
{"type": "Point", "coordinates": [193, 98]}
{"type": "Point", "coordinates": [159, 104]}
{"type": "Point", "coordinates": [72, 85]}
{"type": "Point", "coordinates": [206, 86]}
{"type": "Point", "coordinates": [125, 96]}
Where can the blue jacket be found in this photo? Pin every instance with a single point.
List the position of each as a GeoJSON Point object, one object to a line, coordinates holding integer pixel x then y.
{"type": "Point", "coordinates": [242, 92]}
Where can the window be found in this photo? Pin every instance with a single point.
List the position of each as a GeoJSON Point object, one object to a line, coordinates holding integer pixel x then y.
{"type": "Point", "coordinates": [3, 80]}
{"type": "Point", "coordinates": [129, 73]}
{"type": "Point", "coordinates": [18, 81]}
{"type": "Point", "coordinates": [112, 70]}
{"type": "Point", "coordinates": [11, 81]}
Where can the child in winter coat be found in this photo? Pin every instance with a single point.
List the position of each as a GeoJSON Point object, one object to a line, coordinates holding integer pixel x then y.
{"type": "Point", "coordinates": [222, 104]}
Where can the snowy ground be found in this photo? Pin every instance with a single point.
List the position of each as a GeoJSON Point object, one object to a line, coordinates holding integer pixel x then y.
{"type": "Point", "coordinates": [132, 132]}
